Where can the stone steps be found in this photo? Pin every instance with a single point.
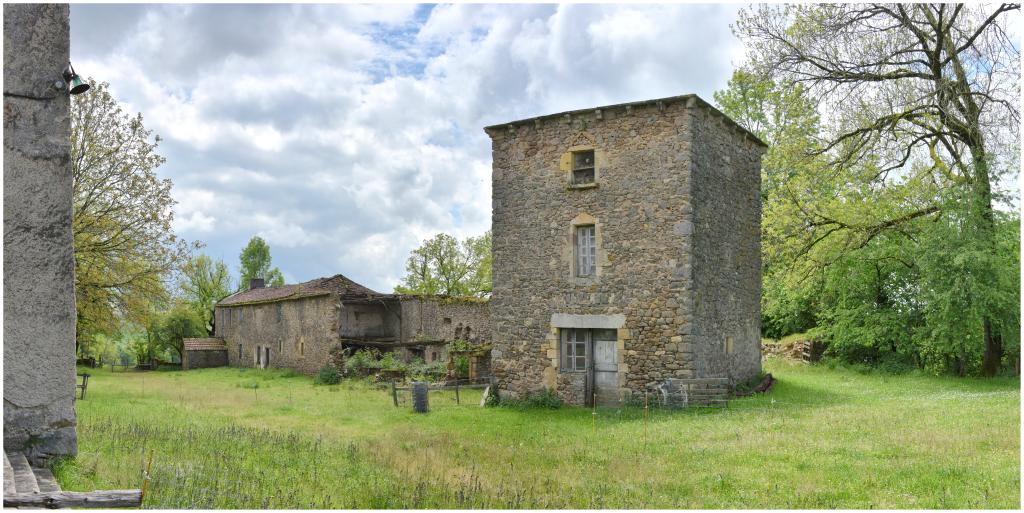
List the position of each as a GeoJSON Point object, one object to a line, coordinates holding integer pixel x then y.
{"type": "Point", "coordinates": [24, 478]}
{"type": "Point", "coordinates": [9, 488]}
{"type": "Point", "coordinates": [34, 488]}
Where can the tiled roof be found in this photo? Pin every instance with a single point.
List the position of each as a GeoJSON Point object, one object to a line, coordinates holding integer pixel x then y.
{"type": "Point", "coordinates": [204, 344]}
{"type": "Point", "coordinates": [336, 284]}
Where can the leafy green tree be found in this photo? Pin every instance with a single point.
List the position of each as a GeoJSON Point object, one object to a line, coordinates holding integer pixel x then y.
{"type": "Point", "coordinates": [885, 218]}
{"type": "Point", "coordinates": [443, 265]}
{"type": "Point", "coordinates": [255, 263]}
{"type": "Point", "coordinates": [175, 325]}
{"type": "Point", "coordinates": [123, 243]}
{"type": "Point", "coordinates": [203, 282]}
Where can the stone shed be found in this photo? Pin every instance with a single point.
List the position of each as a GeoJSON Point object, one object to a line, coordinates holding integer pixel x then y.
{"type": "Point", "coordinates": [202, 353]}
{"type": "Point", "coordinates": [297, 326]}
{"type": "Point", "coordinates": [626, 250]}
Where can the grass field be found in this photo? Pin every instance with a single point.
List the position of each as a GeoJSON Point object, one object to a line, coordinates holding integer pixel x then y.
{"type": "Point", "coordinates": [823, 438]}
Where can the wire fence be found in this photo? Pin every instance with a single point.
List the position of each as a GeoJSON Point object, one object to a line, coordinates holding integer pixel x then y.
{"type": "Point", "coordinates": [457, 391]}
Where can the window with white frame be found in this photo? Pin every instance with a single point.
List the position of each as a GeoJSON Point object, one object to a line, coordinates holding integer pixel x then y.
{"type": "Point", "coordinates": [586, 250]}
{"type": "Point", "coordinates": [574, 349]}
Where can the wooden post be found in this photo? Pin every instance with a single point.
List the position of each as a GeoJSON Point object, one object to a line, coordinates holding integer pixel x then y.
{"type": "Point", "coordinates": [457, 393]}
{"type": "Point", "coordinates": [145, 477]}
{"type": "Point", "coordinates": [394, 393]}
{"type": "Point", "coordinates": [645, 418]}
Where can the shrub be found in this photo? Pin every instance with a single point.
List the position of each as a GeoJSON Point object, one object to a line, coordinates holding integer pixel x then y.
{"type": "Point", "coordinates": [542, 399]}
{"type": "Point", "coordinates": [389, 361]}
{"type": "Point", "coordinates": [328, 375]}
{"type": "Point", "coordinates": [361, 363]}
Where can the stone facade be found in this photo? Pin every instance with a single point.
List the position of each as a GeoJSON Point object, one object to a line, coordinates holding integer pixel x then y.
{"type": "Point", "coordinates": [675, 211]}
{"type": "Point", "coordinates": [39, 294]}
{"type": "Point", "coordinates": [301, 324]}
{"type": "Point", "coordinates": [203, 353]}
{"type": "Point", "coordinates": [298, 332]}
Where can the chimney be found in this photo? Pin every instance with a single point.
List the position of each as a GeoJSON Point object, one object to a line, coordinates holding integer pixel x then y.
{"type": "Point", "coordinates": [255, 283]}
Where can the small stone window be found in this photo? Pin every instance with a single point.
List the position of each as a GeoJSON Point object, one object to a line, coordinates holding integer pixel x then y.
{"type": "Point", "coordinates": [447, 320]}
{"type": "Point", "coordinates": [574, 349]}
{"type": "Point", "coordinates": [583, 167]}
{"type": "Point", "coordinates": [239, 351]}
{"type": "Point", "coordinates": [728, 345]}
{"type": "Point", "coordinates": [302, 347]}
{"type": "Point", "coordinates": [586, 250]}
{"type": "Point", "coordinates": [280, 345]}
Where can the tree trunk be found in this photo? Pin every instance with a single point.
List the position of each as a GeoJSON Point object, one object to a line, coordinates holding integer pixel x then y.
{"type": "Point", "coordinates": [981, 212]}
{"type": "Point", "coordinates": [993, 357]}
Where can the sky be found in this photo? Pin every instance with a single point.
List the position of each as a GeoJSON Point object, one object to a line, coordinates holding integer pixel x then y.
{"type": "Point", "coordinates": [345, 135]}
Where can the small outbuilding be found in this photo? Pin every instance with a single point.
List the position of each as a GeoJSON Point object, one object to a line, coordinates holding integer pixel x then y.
{"type": "Point", "coordinates": [201, 353]}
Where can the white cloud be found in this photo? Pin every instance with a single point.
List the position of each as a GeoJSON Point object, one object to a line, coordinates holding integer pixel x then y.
{"type": "Point", "coordinates": [345, 135]}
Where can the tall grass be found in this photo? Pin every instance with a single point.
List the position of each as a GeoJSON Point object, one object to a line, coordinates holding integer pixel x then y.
{"type": "Point", "coordinates": [226, 438]}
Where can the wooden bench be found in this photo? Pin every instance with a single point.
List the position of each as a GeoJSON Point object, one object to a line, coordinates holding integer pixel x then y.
{"type": "Point", "coordinates": [84, 384]}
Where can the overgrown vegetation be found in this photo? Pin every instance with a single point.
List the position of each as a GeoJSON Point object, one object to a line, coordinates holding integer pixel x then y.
{"type": "Point", "coordinates": [231, 438]}
{"type": "Point", "coordinates": [889, 227]}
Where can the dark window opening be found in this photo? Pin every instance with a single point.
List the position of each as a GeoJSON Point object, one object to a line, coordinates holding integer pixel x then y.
{"type": "Point", "coordinates": [583, 167]}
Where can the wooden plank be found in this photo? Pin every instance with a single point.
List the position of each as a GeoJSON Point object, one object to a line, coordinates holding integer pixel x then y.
{"type": "Point", "coordinates": [9, 488]}
{"type": "Point", "coordinates": [98, 499]}
{"type": "Point", "coordinates": [47, 483]}
{"type": "Point", "coordinates": [702, 381]}
{"type": "Point", "coordinates": [24, 479]}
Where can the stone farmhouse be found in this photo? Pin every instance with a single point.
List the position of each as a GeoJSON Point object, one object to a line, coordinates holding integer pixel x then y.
{"type": "Point", "coordinates": [298, 326]}
{"type": "Point", "coordinates": [626, 250]}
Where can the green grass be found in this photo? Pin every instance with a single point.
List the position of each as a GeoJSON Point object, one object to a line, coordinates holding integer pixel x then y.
{"type": "Point", "coordinates": [231, 438]}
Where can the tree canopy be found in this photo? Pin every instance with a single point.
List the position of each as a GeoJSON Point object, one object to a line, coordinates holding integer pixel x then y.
{"type": "Point", "coordinates": [203, 282]}
{"type": "Point", "coordinates": [879, 226]}
{"type": "Point", "coordinates": [443, 265]}
{"type": "Point", "coordinates": [123, 242]}
{"type": "Point", "coordinates": [255, 263]}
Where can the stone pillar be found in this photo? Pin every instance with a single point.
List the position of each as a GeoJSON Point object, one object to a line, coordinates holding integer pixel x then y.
{"type": "Point", "coordinates": [39, 279]}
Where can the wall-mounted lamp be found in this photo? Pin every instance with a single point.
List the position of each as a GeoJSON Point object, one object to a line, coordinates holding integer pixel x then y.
{"type": "Point", "coordinates": [75, 83]}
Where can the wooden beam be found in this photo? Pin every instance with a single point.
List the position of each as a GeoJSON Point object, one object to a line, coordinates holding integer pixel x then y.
{"type": "Point", "coordinates": [97, 499]}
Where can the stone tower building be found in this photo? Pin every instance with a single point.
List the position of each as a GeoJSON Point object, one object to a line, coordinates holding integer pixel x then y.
{"type": "Point", "coordinates": [626, 249]}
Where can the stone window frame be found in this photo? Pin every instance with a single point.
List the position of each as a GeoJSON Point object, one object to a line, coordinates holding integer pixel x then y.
{"type": "Point", "coordinates": [570, 254]}
{"type": "Point", "coordinates": [566, 165]}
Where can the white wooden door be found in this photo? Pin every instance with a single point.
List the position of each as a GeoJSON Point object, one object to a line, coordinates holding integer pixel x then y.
{"type": "Point", "coordinates": [606, 367]}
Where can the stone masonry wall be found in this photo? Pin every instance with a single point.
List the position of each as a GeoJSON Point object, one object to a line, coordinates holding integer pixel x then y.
{"type": "Point", "coordinates": [299, 332]}
{"type": "Point", "coordinates": [644, 225]}
{"type": "Point", "coordinates": [39, 295]}
{"type": "Point", "coordinates": [440, 318]}
{"type": "Point", "coordinates": [205, 359]}
{"type": "Point", "coordinates": [727, 250]}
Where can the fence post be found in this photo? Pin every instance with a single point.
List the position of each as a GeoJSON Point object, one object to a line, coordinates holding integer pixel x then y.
{"type": "Point", "coordinates": [457, 393]}
{"type": "Point", "coordinates": [394, 393]}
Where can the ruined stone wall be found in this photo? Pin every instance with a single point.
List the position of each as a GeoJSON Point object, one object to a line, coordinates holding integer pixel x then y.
{"type": "Point", "coordinates": [440, 318]}
{"type": "Point", "coordinates": [39, 295]}
{"type": "Point", "coordinates": [299, 332]}
{"type": "Point", "coordinates": [726, 250]}
{"type": "Point", "coordinates": [360, 320]}
{"type": "Point", "coordinates": [644, 226]}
